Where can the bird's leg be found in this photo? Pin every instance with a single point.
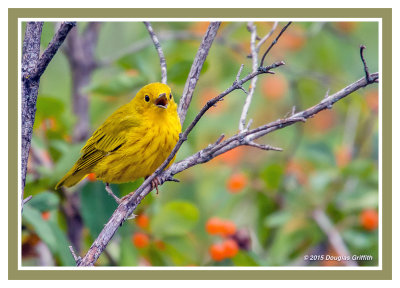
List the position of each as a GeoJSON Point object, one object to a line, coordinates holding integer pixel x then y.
{"type": "Point", "coordinates": [110, 192]}
{"type": "Point", "coordinates": [154, 183]}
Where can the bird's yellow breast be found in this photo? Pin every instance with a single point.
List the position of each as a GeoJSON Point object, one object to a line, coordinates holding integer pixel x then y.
{"type": "Point", "coordinates": [146, 148]}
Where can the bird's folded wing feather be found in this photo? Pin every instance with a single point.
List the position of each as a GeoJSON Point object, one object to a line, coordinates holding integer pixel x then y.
{"type": "Point", "coordinates": [108, 138]}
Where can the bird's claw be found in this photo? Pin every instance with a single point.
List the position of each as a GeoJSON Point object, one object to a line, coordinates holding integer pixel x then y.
{"type": "Point", "coordinates": [110, 192]}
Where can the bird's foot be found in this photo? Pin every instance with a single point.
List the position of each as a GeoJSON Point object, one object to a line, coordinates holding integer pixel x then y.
{"type": "Point", "coordinates": [155, 183]}
{"type": "Point", "coordinates": [110, 192]}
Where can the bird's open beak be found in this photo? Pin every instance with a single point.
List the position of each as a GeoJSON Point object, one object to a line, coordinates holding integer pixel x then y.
{"type": "Point", "coordinates": [162, 101]}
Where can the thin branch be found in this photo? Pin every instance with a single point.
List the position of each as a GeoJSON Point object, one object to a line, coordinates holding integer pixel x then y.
{"type": "Point", "coordinates": [163, 63]}
{"type": "Point", "coordinates": [52, 49]}
{"type": "Point", "coordinates": [253, 30]}
{"type": "Point", "coordinates": [265, 38]}
{"type": "Point", "coordinates": [77, 259]}
{"type": "Point", "coordinates": [333, 235]}
{"type": "Point", "coordinates": [32, 67]}
{"type": "Point", "coordinates": [362, 47]}
{"type": "Point", "coordinates": [254, 56]}
{"type": "Point", "coordinates": [196, 69]}
{"type": "Point", "coordinates": [273, 43]}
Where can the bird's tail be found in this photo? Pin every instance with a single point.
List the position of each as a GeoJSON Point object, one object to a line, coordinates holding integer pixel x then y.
{"type": "Point", "coordinates": [72, 178]}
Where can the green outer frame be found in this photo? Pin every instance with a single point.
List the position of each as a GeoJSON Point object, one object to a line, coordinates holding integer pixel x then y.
{"type": "Point", "coordinates": [383, 13]}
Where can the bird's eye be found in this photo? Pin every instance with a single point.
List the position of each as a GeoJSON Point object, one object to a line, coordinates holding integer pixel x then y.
{"type": "Point", "coordinates": [147, 98]}
{"type": "Point", "coordinates": [170, 96]}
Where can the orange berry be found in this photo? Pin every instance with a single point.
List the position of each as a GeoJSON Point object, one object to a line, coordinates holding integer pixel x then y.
{"type": "Point", "coordinates": [232, 157]}
{"type": "Point", "coordinates": [372, 99]}
{"type": "Point", "coordinates": [228, 228]}
{"type": "Point", "coordinates": [131, 72]}
{"type": "Point", "coordinates": [231, 248]}
{"type": "Point", "coordinates": [159, 244]}
{"type": "Point", "coordinates": [208, 94]}
{"type": "Point", "coordinates": [217, 252]}
{"type": "Point", "coordinates": [293, 40]}
{"type": "Point", "coordinates": [142, 221]}
{"type": "Point", "coordinates": [343, 156]}
{"type": "Point", "coordinates": [369, 219]}
{"type": "Point", "coordinates": [46, 215]}
{"type": "Point", "coordinates": [140, 240]}
{"type": "Point", "coordinates": [236, 182]}
{"type": "Point", "coordinates": [91, 177]}
{"type": "Point", "coordinates": [214, 226]}
{"type": "Point", "coordinates": [324, 120]}
{"type": "Point", "coordinates": [274, 87]}
{"type": "Point", "coordinates": [346, 27]}
{"type": "Point", "coordinates": [199, 28]}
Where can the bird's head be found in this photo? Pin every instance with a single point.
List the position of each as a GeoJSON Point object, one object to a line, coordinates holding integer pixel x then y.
{"type": "Point", "coordinates": [154, 98]}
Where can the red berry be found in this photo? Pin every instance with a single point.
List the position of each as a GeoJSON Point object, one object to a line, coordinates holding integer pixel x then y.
{"type": "Point", "coordinates": [231, 248]}
{"type": "Point", "coordinates": [214, 226]}
{"type": "Point", "coordinates": [140, 240]}
{"type": "Point", "coordinates": [217, 252]}
{"type": "Point", "coordinates": [369, 219]}
{"type": "Point", "coordinates": [236, 182]}
{"type": "Point", "coordinates": [142, 221]}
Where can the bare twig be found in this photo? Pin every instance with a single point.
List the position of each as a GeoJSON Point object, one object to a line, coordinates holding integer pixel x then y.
{"type": "Point", "coordinates": [253, 30]}
{"type": "Point", "coordinates": [362, 47]}
{"type": "Point", "coordinates": [163, 63]}
{"type": "Point", "coordinates": [32, 67]}
{"type": "Point", "coordinates": [333, 235]}
{"type": "Point", "coordinates": [77, 259]}
{"type": "Point", "coordinates": [265, 38]}
{"type": "Point", "coordinates": [26, 200]}
{"type": "Point", "coordinates": [273, 43]}
{"type": "Point", "coordinates": [254, 48]}
{"type": "Point", "coordinates": [196, 69]}
{"type": "Point", "coordinates": [52, 49]}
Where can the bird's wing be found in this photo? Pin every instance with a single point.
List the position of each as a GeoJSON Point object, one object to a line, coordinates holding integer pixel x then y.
{"type": "Point", "coordinates": [108, 138]}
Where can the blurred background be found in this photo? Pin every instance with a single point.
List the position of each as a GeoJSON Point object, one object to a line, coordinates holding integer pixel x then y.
{"type": "Point", "coordinates": [247, 207]}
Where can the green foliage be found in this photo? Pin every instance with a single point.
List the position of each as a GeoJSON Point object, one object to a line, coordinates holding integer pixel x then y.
{"type": "Point", "coordinates": [175, 219]}
{"type": "Point", "coordinates": [50, 233]}
{"type": "Point", "coordinates": [97, 206]}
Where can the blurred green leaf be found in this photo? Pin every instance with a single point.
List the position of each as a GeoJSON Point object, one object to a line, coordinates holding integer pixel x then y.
{"type": "Point", "coordinates": [179, 71]}
{"type": "Point", "coordinates": [361, 240]}
{"type": "Point", "coordinates": [45, 201]}
{"type": "Point", "coordinates": [97, 206]}
{"type": "Point", "coordinates": [277, 219]}
{"type": "Point", "coordinates": [272, 175]}
{"type": "Point", "coordinates": [119, 84]}
{"type": "Point", "coordinates": [243, 258]}
{"type": "Point", "coordinates": [175, 218]}
{"type": "Point", "coordinates": [50, 233]}
{"type": "Point", "coordinates": [128, 253]}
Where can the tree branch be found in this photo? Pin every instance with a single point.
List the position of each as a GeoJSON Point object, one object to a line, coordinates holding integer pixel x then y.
{"type": "Point", "coordinates": [131, 201]}
{"type": "Point", "coordinates": [163, 63]}
{"type": "Point", "coordinates": [196, 69]}
{"type": "Point", "coordinates": [32, 68]}
{"type": "Point", "coordinates": [254, 48]}
{"type": "Point", "coordinates": [274, 42]}
{"type": "Point", "coordinates": [52, 49]}
{"type": "Point", "coordinates": [333, 235]}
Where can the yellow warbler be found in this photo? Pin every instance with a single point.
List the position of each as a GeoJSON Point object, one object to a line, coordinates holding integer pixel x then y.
{"type": "Point", "coordinates": [133, 142]}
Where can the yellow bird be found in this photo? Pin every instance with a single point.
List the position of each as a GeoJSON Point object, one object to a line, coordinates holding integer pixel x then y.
{"type": "Point", "coordinates": [133, 142]}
